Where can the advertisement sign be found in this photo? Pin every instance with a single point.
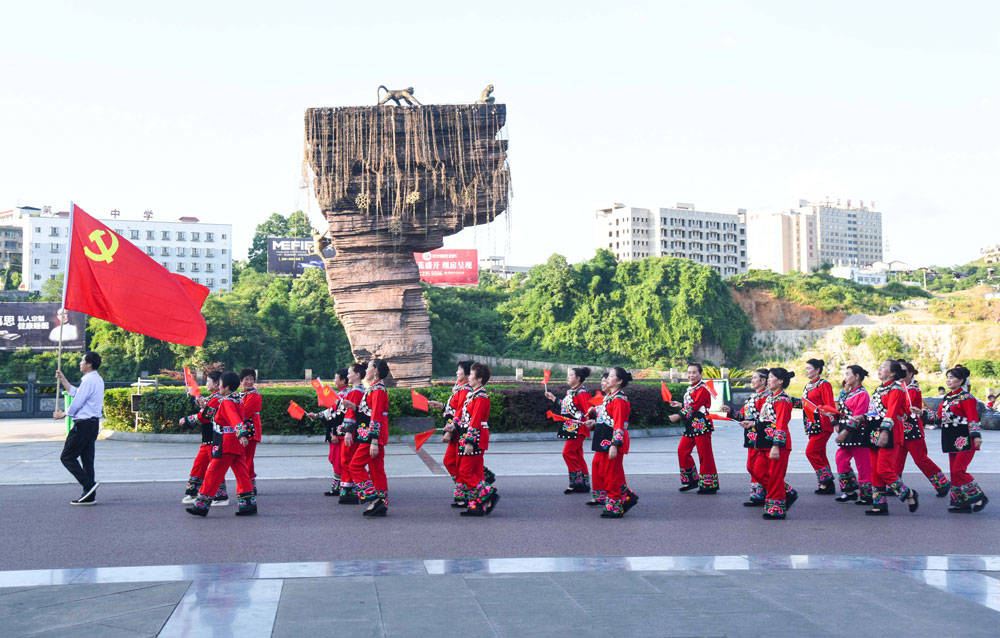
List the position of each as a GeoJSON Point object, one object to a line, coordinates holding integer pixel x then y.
{"type": "Point", "coordinates": [449, 267]}
{"type": "Point", "coordinates": [292, 255]}
{"type": "Point", "coordinates": [35, 325]}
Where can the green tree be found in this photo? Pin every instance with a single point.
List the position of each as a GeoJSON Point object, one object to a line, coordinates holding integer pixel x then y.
{"type": "Point", "coordinates": [885, 345]}
{"type": "Point", "coordinates": [853, 336]}
{"type": "Point", "coordinates": [277, 225]}
{"type": "Point", "coordinates": [52, 288]}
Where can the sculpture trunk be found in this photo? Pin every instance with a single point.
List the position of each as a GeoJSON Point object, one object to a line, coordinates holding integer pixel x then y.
{"type": "Point", "coordinates": [394, 181]}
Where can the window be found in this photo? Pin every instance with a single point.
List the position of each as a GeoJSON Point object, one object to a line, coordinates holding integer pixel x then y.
{"type": "Point", "coordinates": [165, 251]}
{"type": "Point", "coordinates": [195, 267]}
{"type": "Point", "coordinates": [223, 281]}
{"type": "Point", "coordinates": [209, 282]}
{"type": "Point", "coordinates": [223, 251]}
{"type": "Point", "coordinates": [150, 235]}
{"type": "Point", "coordinates": [38, 261]}
{"type": "Point", "coordinates": [209, 253]}
{"type": "Point", "coordinates": [165, 235]}
{"type": "Point", "coordinates": [209, 268]}
{"type": "Point", "coordinates": [53, 263]}
{"type": "Point", "coordinates": [119, 231]}
{"type": "Point", "coordinates": [36, 245]}
{"type": "Point", "coordinates": [182, 252]}
{"type": "Point", "coordinates": [166, 265]}
{"type": "Point", "coordinates": [195, 236]}
{"type": "Point", "coordinates": [38, 229]}
{"type": "Point", "coordinates": [37, 277]}
{"type": "Point", "coordinates": [195, 280]}
{"type": "Point", "coordinates": [223, 266]}
{"type": "Point", "coordinates": [53, 248]}
{"type": "Point", "coordinates": [53, 232]}
{"type": "Point", "coordinates": [150, 251]}
{"type": "Point", "coordinates": [223, 235]}
{"type": "Point", "coordinates": [180, 235]}
{"type": "Point", "coordinates": [209, 237]}
{"type": "Point", "coordinates": [194, 251]}
{"type": "Point", "coordinates": [180, 266]}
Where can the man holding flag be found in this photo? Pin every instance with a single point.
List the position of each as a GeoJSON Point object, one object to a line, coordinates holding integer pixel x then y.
{"type": "Point", "coordinates": [85, 410]}
{"type": "Point", "coordinates": [110, 278]}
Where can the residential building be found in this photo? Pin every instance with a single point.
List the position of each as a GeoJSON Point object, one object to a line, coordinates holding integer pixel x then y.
{"type": "Point", "coordinates": [10, 245]}
{"type": "Point", "coordinates": [991, 254]}
{"type": "Point", "coordinates": [717, 240]}
{"type": "Point", "coordinates": [782, 242]}
{"type": "Point", "coordinates": [200, 251]}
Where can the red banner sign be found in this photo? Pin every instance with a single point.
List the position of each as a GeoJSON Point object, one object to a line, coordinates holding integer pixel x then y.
{"type": "Point", "coordinates": [449, 267]}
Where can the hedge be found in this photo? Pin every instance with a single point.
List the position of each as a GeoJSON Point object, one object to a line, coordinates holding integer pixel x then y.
{"type": "Point", "coordinates": [519, 408]}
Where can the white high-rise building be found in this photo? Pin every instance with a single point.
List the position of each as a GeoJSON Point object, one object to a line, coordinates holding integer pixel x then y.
{"type": "Point", "coordinates": [806, 237]}
{"type": "Point", "coordinates": [202, 252]}
{"type": "Point", "coordinates": [717, 240]}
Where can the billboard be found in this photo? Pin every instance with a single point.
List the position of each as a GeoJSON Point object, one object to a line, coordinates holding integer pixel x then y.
{"type": "Point", "coordinates": [449, 267]}
{"type": "Point", "coordinates": [292, 255]}
{"type": "Point", "coordinates": [35, 325]}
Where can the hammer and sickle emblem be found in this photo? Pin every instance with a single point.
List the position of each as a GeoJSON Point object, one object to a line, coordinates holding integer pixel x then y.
{"type": "Point", "coordinates": [104, 252]}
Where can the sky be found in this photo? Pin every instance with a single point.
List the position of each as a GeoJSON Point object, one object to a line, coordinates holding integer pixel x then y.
{"type": "Point", "coordinates": [196, 108]}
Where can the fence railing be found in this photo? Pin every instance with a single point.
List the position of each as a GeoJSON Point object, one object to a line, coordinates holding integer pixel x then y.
{"type": "Point", "coordinates": [31, 399]}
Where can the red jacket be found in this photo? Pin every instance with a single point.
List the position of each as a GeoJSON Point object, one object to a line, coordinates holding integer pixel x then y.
{"type": "Point", "coordinates": [457, 400]}
{"type": "Point", "coordinates": [204, 417]}
{"type": "Point", "coordinates": [963, 405]}
{"type": "Point", "coordinates": [618, 409]}
{"type": "Point", "coordinates": [777, 411]}
{"type": "Point", "coordinates": [251, 402]}
{"type": "Point", "coordinates": [355, 395]}
{"type": "Point", "coordinates": [475, 418]}
{"type": "Point", "coordinates": [230, 423]}
{"type": "Point", "coordinates": [575, 405]}
{"type": "Point", "coordinates": [375, 406]}
{"type": "Point", "coordinates": [820, 393]}
{"type": "Point", "coordinates": [914, 399]}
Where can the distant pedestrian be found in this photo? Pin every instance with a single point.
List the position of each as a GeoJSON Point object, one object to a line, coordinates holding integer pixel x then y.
{"type": "Point", "coordinates": [85, 410]}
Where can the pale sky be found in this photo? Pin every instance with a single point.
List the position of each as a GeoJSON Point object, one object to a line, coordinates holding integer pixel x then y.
{"type": "Point", "coordinates": [196, 108]}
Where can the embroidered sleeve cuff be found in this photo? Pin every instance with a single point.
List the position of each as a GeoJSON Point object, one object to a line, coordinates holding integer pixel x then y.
{"type": "Point", "coordinates": [191, 420]}
{"type": "Point", "coordinates": [618, 438]}
{"type": "Point", "coordinates": [245, 429]}
{"type": "Point", "coordinates": [975, 429]}
{"type": "Point", "coordinates": [778, 440]}
{"type": "Point", "coordinates": [686, 412]}
{"type": "Point", "coordinates": [886, 424]}
{"type": "Point", "coordinates": [797, 403]}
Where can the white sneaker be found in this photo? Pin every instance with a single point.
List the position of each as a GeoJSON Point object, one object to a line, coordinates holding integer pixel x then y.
{"type": "Point", "coordinates": [187, 500]}
{"type": "Point", "coordinates": [220, 502]}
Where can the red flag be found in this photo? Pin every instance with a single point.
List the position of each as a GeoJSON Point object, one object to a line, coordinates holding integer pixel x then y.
{"type": "Point", "coordinates": [719, 417]}
{"type": "Point", "coordinates": [421, 438]}
{"type": "Point", "coordinates": [711, 387]}
{"type": "Point", "coordinates": [419, 401]}
{"type": "Point", "coordinates": [557, 417]}
{"type": "Point", "coordinates": [190, 382]}
{"type": "Point", "coordinates": [295, 411]}
{"type": "Point", "coordinates": [665, 392]}
{"type": "Point", "coordinates": [112, 279]}
{"type": "Point", "coordinates": [809, 409]}
{"type": "Point", "coordinates": [546, 375]}
{"type": "Point", "coordinates": [833, 410]}
{"type": "Point", "coordinates": [597, 399]}
{"type": "Point", "coordinates": [327, 398]}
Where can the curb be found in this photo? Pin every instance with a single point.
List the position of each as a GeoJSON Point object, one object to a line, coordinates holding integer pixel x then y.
{"type": "Point", "coordinates": [298, 439]}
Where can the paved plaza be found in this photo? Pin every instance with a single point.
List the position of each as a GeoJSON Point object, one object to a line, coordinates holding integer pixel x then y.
{"type": "Point", "coordinates": [543, 564]}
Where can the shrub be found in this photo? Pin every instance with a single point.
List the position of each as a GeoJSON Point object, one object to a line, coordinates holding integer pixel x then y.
{"type": "Point", "coordinates": [853, 336]}
{"type": "Point", "coordinates": [885, 345]}
{"type": "Point", "coordinates": [515, 408]}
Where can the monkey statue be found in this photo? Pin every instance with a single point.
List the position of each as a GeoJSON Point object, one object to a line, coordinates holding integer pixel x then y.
{"type": "Point", "coordinates": [320, 242]}
{"type": "Point", "coordinates": [396, 95]}
{"type": "Point", "coordinates": [486, 96]}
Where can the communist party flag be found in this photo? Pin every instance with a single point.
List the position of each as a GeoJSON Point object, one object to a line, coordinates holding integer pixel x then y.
{"type": "Point", "coordinates": [326, 397]}
{"type": "Point", "coordinates": [419, 401]}
{"type": "Point", "coordinates": [295, 411]}
{"type": "Point", "coordinates": [112, 279]}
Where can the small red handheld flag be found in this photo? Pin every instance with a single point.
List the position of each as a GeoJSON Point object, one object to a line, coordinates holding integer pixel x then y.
{"type": "Point", "coordinates": [557, 417]}
{"type": "Point", "coordinates": [546, 375]}
{"type": "Point", "coordinates": [421, 437]}
{"type": "Point", "coordinates": [295, 411]}
{"type": "Point", "coordinates": [326, 397]}
{"type": "Point", "coordinates": [419, 401]}
{"type": "Point", "coordinates": [665, 392]}
{"type": "Point", "coordinates": [809, 409]}
{"type": "Point", "coordinates": [597, 399]}
{"type": "Point", "coordinates": [718, 417]}
{"type": "Point", "coordinates": [190, 382]}
{"type": "Point", "coordinates": [711, 387]}
{"type": "Point", "coordinates": [110, 278]}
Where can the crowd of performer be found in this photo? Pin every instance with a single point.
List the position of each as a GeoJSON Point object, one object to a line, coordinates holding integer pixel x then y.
{"type": "Point", "coordinates": [875, 432]}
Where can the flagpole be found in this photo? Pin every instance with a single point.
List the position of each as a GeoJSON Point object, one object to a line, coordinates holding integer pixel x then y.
{"type": "Point", "coordinates": [62, 309]}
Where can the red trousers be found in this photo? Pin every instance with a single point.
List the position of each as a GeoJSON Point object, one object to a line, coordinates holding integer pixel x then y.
{"type": "Point", "coordinates": [816, 450]}
{"type": "Point", "coordinates": [248, 455]}
{"type": "Point", "coordinates": [470, 470]}
{"type": "Point", "coordinates": [752, 454]}
{"type": "Point", "coordinates": [884, 467]}
{"type": "Point", "coordinates": [362, 462]}
{"type": "Point", "coordinates": [916, 448]}
{"type": "Point", "coordinates": [346, 455]}
{"type": "Point", "coordinates": [573, 455]}
{"type": "Point", "coordinates": [958, 465]}
{"type": "Point", "coordinates": [772, 472]}
{"type": "Point", "coordinates": [217, 472]}
{"type": "Point", "coordinates": [614, 476]}
{"type": "Point", "coordinates": [703, 443]}
{"type": "Point", "coordinates": [451, 457]}
{"type": "Point", "coordinates": [334, 457]}
{"type": "Point", "coordinates": [597, 464]}
{"type": "Point", "coordinates": [201, 461]}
